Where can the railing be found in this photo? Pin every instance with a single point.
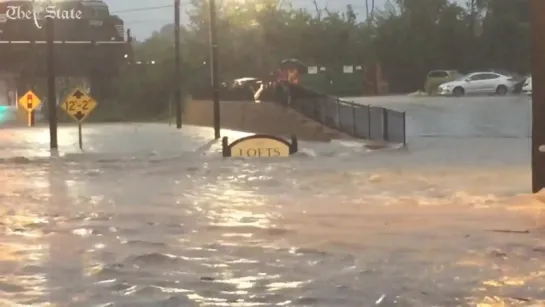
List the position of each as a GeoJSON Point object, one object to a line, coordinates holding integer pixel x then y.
{"type": "Point", "coordinates": [357, 120]}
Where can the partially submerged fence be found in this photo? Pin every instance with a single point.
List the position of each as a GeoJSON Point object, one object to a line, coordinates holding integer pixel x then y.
{"type": "Point", "coordinates": [357, 120]}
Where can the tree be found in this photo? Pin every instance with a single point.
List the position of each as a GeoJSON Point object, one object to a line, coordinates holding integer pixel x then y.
{"type": "Point", "coordinates": [409, 38]}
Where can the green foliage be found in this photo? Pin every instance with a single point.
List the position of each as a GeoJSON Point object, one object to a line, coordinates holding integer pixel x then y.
{"type": "Point", "coordinates": [409, 38]}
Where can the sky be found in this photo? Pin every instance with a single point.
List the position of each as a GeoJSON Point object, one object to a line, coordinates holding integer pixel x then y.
{"type": "Point", "coordinates": [143, 22]}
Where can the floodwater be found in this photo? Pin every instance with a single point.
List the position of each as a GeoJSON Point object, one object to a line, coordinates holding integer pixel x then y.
{"type": "Point", "coordinates": [142, 219]}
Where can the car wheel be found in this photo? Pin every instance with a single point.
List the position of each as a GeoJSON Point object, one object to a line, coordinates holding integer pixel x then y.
{"type": "Point", "coordinates": [501, 90]}
{"type": "Point", "coordinates": [458, 91]}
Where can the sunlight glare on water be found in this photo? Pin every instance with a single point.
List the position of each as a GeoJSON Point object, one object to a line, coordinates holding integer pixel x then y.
{"type": "Point", "coordinates": [342, 226]}
{"type": "Point", "coordinates": [220, 234]}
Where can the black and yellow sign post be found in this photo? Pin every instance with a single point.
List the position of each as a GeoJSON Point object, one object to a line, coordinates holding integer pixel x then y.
{"type": "Point", "coordinates": [79, 105]}
{"type": "Point", "coordinates": [259, 146]}
{"type": "Point", "coordinates": [29, 102]}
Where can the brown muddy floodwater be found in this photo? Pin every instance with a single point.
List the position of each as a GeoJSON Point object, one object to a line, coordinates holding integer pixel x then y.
{"type": "Point", "coordinates": [447, 222]}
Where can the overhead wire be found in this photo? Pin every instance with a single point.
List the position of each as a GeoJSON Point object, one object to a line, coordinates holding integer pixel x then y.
{"type": "Point", "coordinates": [147, 8]}
{"type": "Point", "coordinates": [140, 21]}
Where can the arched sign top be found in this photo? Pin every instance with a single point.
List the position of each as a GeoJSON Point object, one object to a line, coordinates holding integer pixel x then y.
{"type": "Point", "coordinates": [259, 145]}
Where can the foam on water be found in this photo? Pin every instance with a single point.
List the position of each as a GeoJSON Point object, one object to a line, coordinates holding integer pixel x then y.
{"type": "Point", "coordinates": [320, 231]}
{"type": "Point", "coordinates": [448, 221]}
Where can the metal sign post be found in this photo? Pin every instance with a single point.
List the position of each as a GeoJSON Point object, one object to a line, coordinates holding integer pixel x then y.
{"type": "Point", "coordinates": [30, 119]}
{"type": "Point", "coordinates": [80, 137]}
{"type": "Point", "coordinates": [214, 67]}
{"type": "Point", "coordinates": [177, 73]}
{"type": "Point", "coordinates": [538, 95]}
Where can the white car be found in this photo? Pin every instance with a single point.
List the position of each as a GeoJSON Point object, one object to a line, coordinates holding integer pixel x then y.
{"type": "Point", "coordinates": [478, 83]}
{"type": "Point", "coordinates": [527, 86]}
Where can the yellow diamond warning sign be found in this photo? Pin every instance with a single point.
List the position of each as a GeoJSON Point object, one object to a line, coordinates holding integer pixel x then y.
{"type": "Point", "coordinates": [29, 101]}
{"type": "Point", "coordinates": [79, 105]}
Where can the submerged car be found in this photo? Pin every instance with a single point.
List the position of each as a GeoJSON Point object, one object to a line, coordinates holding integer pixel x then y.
{"type": "Point", "coordinates": [478, 83]}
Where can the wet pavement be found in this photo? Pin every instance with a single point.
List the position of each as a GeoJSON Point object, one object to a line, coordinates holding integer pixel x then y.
{"type": "Point", "coordinates": [122, 141]}
{"type": "Point", "coordinates": [467, 117]}
{"type": "Point", "coordinates": [151, 216]}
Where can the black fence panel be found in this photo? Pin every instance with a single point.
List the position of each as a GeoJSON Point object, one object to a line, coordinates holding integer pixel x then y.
{"type": "Point", "coordinates": [346, 118]}
{"type": "Point", "coordinates": [395, 126]}
{"type": "Point", "coordinates": [377, 124]}
{"type": "Point", "coordinates": [322, 103]}
{"type": "Point", "coordinates": [331, 112]}
{"type": "Point", "coordinates": [360, 121]}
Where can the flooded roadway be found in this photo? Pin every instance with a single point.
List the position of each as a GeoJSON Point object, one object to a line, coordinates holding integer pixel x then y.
{"type": "Point", "coordinates": [148, 216]}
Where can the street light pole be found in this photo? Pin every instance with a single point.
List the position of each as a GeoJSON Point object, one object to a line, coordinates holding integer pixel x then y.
{"type": "Point", "coordinates": [537, 9]}
{"type": "Point", "coordinates": [214, 67]}
{"type": "Point", "coordinates": [51, 91]}
{"type": "Point", "coordinates": [177, 64]}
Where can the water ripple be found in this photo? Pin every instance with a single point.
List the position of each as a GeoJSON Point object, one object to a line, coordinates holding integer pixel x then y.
{"type": "Point", "coordinates": [306, 232]}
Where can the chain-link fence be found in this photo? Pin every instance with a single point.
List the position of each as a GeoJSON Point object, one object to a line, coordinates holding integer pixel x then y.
{"type": "Point", "coordinates": [357, 120]}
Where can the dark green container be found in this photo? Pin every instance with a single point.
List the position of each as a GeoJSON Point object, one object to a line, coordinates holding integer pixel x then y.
{"type": "Point", "coordinates": [345, 83]}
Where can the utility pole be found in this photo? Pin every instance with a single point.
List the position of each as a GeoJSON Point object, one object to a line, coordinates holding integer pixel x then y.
{"type": "Point", "coordinates": [214, 67]}
{"type": "Point", "coordinates": [472, 18]}
{"type": "Point", "coordinates": [130, 54]}
{"type": "Point", "coordinates": [51, 91]}
{"type": "Point", "coordinates": [538, 96]}
{"type": "Point", "coordinates": [471, 35]}
{"type": "Point", "coordinates": [177, 64]}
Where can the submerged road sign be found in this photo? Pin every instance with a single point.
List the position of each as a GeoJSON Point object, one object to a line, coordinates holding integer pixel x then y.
{"type": "Point", "coordinates": [259, 145]}
{"type": "Point", "coordinates": [29, 101]}
{"type": "Point", "coordinates": [79, 105]}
